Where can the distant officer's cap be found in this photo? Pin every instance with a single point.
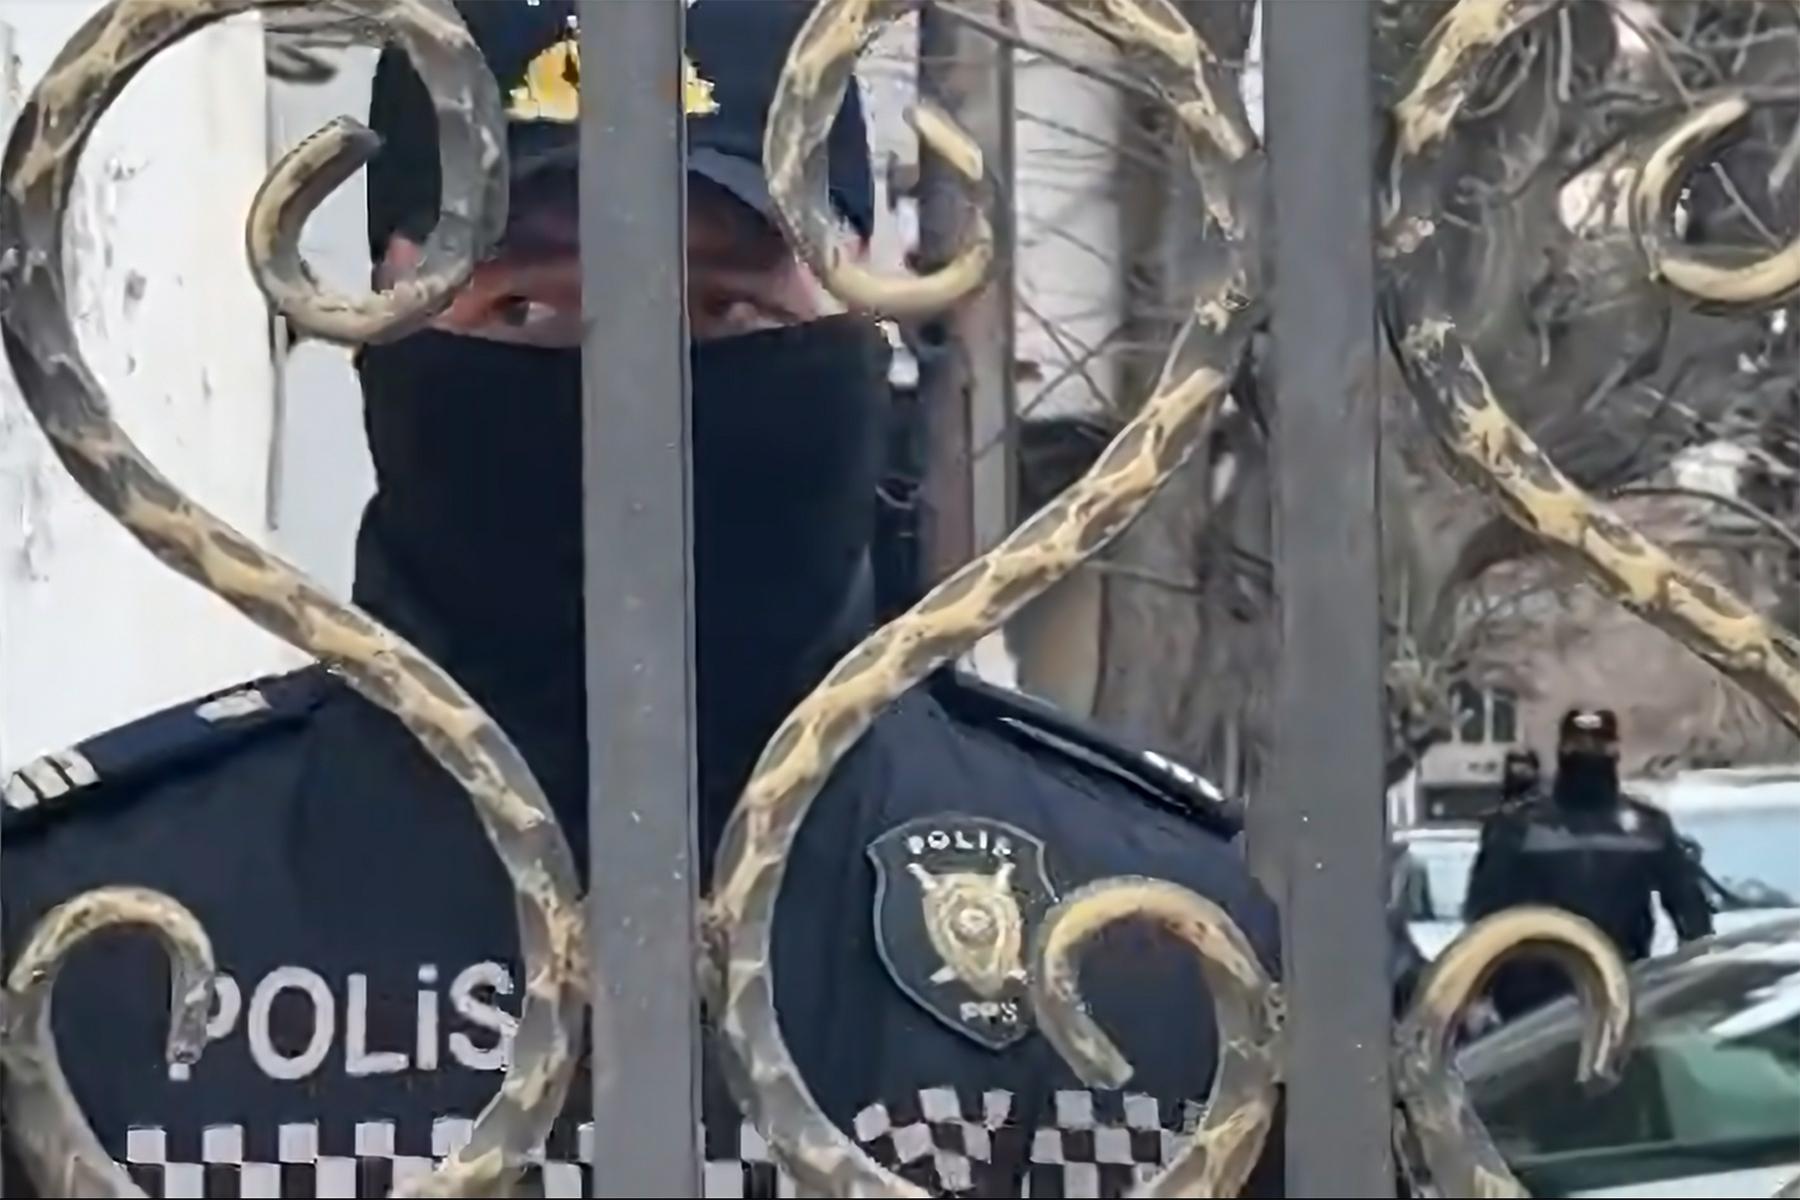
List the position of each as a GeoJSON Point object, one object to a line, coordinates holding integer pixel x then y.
{"type": "Point", "coordinates": [1592, 724]}
{"type": "Point", "coordinates": [1520, 759]}
{"type": "Point", "coordinates": [735, 52]}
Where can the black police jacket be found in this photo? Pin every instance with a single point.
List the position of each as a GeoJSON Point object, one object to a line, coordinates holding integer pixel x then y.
{"type": "Point", "coordinates": [365, 936]}
{"type": "Point", "coordinates": [1599, 861]}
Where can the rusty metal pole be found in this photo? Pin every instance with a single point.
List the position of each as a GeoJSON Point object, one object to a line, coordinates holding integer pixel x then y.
{"type": "Point", "coordinates": [966, 391]}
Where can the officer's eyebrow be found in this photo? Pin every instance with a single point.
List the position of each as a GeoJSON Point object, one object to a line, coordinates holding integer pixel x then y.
{"type": "Point", "coordinates": [543, 216]}
{"type": "Point", "coordinates": [725, 234]}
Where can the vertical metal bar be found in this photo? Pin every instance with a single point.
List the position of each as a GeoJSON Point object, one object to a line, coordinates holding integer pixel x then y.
{"type": "Point", "coordinates": [638, 542]}
{"type": "Point", "coordinates": [966, 355]}
{"type": "Point", "coordinates": [1325, 789]}
{"type": "Point", "coordinates": [9, 92]}
{"type": "Point", "coordinates": [280, 344]}
{"type": "Point", "coordinates": [993, 407]}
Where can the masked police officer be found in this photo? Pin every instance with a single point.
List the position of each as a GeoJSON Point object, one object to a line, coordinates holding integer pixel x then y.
{"type": "Point", "coordinates": [1520, 776]}
{"type": "Point", "coordinates": [370, 970]}
{"type": "Point", "coordinates": [1588, 848]}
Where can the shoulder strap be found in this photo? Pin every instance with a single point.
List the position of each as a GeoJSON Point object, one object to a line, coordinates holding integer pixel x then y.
{"type": "Point", "coordinates": [1155, 776]}
{"type": "Point", "coordinates": [150, 747]}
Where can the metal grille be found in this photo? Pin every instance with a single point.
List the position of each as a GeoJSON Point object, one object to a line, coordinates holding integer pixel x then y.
{"type": "Point", "coordinates": [1326, 239]}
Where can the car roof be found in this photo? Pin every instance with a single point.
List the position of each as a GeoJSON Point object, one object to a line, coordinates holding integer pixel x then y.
{"type": "Point", "coordinates": [1457, 832]}
{"type": "Point", "coordinates": [1770, 787]}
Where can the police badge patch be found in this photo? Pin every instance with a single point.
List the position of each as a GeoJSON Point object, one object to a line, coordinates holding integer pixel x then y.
{"type": "Point", "coordinates": [955, 899]}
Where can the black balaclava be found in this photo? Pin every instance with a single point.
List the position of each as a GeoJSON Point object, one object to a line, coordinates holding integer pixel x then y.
{"type": "Point", "coordinates": [472, 544]}
{"type": "Point", "coordinates": [1586, 779]}
{"type": "Point", "coordinates": [1518, 775]}
{"type": "Point", "coordinates": [1587, 758]}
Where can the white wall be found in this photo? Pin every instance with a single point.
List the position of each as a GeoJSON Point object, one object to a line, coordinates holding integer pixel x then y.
{"type": "Point", "coordinates": [323, 476]}
{"type": "Point", "coordinates": [1071, 289]}
{"type": "Point", "coordinates": [92, 630]}
{"type": "Point", "coordinates": [1070, 293]}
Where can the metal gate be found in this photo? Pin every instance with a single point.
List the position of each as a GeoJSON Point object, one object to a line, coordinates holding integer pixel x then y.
{"type": "Point", "coordinates": [1331, 233]}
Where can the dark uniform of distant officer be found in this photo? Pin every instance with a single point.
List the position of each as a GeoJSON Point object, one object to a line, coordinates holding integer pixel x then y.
{"type": "Point", "coordinates": [1587, 848]}
{"type": "Point", "coordinates": [1520, 776]}
{"type": "Point", "coordinates": [363, 926]}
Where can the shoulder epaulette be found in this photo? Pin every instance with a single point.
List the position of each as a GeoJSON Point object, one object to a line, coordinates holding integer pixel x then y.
{"type": "Point", "coordinates": [175, 738]}
{"type": "Point", "coordinates": [1155, 776]}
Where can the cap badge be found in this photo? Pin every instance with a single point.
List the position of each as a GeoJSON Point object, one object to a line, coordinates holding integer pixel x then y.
{"type": "Point", "coordinates": [551, 87]}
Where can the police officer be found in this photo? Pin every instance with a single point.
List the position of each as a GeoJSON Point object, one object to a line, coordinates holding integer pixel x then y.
{"type": "Point", "coordinates": [1520, 776]}
{"type": "Point", "coordinates": [364, 929]}
{"type": "Point", "coordinates": [1588, 848]}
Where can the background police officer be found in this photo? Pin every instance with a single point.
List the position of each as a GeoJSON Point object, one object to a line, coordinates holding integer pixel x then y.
{"type": "Point", "coordinates": [1520, 775]}
{"type": "Point", "coordinates": [363, 927]}
{"type": "Point", "coordinates": [1587, 848]}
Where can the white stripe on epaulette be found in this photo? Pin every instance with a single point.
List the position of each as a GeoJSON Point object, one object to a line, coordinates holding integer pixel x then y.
{"type": "Point", "coordinates": [75, 765]}
{"type": "Point", "coordinates": [1185, 774]}
{"type": "Point", "coordinates": [19, 794]}
{"type": "Point", "coordinates": [242, 703]}
{"type": "Point", "coordinates": [48, 778]}
{"type": "Point", "coordinates": [45, 777]}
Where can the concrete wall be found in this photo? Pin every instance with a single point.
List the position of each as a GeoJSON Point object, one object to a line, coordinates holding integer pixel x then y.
{"type": "Point", "coordinates": [93, 631]}
{"type": "Point", "coordinates": [1071, 289]}
{"type": "Point", "coordinates": [323, 476]}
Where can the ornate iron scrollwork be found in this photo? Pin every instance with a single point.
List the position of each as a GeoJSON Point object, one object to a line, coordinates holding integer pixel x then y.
{"type": "Point", "coordinates": [69, 404]}
{"type": "Point", "coordinates": [978, 598]}
{"type": "Point", "coordinates": [1494, 453]}
{"type": "Point", "coordinates": [1200, 87]}
{"type": "Point", "coordinates": [1459, 1159]}
{"type": "Point", "coordinates": [1470, 422]}
{"type": "Point", "coordinates": [1219, 1156]}
{"type": "Point", "coordinates": [44, 1122]}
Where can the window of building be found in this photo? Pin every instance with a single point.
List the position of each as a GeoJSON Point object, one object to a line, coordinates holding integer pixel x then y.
{"type": "Point", "coordinates": [1485, 715]}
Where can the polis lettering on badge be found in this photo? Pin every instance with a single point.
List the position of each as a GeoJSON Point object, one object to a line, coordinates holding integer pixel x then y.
{"type": "Point", "coordinates": [955, 900]}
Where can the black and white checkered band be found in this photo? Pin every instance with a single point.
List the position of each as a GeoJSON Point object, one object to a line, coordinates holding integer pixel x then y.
{"type": "Point", "coordinates": [1086, 1145]}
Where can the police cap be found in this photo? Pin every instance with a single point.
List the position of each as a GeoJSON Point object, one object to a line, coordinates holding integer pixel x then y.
{"type": "Point", "coordinates": [1589, 724]}
{"type": "Point", "coordinates": [736, 49]}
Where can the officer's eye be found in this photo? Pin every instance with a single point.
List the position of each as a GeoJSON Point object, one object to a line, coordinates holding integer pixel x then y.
{"type": "Point", "coordinates": [723, 313]}
{"type": "Point", "coordinates": [521, 312]}
{"type": "Point", "coordinates": [524, 320]}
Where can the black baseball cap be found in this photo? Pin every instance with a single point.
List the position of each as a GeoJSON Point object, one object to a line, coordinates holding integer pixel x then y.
{"type": "Point", "coordinates": [736, 48]}
{"type": "Point", "coordinates": [1589, 724]}
{"type": "Point", "coordinates": [1519, 760]}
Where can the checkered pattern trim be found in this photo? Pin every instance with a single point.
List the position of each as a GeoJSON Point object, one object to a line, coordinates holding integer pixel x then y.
{"type": "Point", "coordinates": [1087, 1145]}
{"type": "Point", "coordinates": [295, 1164]}
{"type": "Point", "coordinates": [945, 1142]}
{"type": "Point", "coordinates": [378, 1158]}
{"type": "Point", "coordinates": [1102, 1143]}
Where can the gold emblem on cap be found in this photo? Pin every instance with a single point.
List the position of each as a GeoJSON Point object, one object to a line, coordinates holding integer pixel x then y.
{"type": "Point", "coordinates": [696, 91]}
{"type": "Point", "coordinates": [551, 87]}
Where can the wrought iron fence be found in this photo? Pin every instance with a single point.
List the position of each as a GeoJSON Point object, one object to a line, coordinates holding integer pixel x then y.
{"type": "Point", "coordinates": [1335, 244]}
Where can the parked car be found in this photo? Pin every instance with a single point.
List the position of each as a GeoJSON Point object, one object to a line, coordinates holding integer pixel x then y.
{"type": "Point", "coordinates": [1744, 824]}
{"type": "Point", "coordinates": [1708, 1104]}
{"type": "Point", "coordinates": [1437, 861]}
